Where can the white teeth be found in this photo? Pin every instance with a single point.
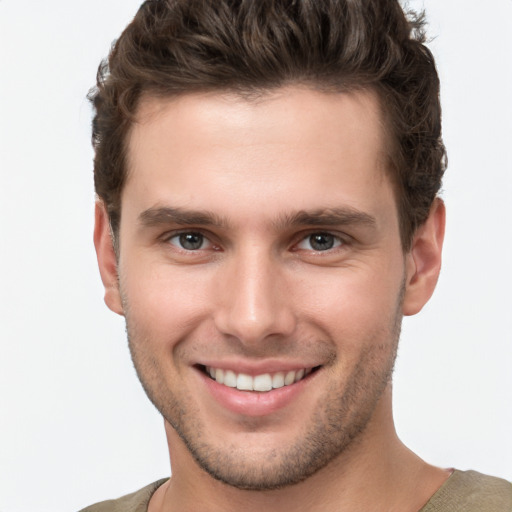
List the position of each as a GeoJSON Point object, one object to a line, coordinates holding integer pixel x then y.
{"type": "Point", "coordinates": [230, 379]}
{"type": "Point", "coordinates": [219, 376]}
{"type": "Point", "coordinates": [290, 378]}
{"type": "Point", "coordinates": [278, 380]}
{"type": "Point", "coordinates": [244, 382]}
{"type": "Point", "coordinates": [261, 383]}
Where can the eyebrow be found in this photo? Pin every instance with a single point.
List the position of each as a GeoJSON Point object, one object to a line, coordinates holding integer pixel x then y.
{"type": "Point", "coordinates": [156, 216]}
{"type": "Point", "coordinates": [328, 217]}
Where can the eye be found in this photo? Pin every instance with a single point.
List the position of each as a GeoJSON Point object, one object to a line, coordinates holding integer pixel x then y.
{"type": "Point", "coordinates": [320, 242]}
{"type": "Point", "coordinates": [190, 241]}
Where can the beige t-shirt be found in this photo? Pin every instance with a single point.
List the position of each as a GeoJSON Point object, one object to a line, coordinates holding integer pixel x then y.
{"type": "Point", "coordinates": [469, 491]}
{"type": "Point", "coordinates": [464, 491]}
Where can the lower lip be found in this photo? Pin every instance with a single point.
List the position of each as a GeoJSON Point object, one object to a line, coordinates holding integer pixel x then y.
{"type": "Point", "coordinates": [254, 403]}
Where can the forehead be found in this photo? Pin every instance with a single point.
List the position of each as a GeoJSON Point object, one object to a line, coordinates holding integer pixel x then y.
{"type": "Point", "coordinates": [293, 146]}
{"type": "Point", "coordinates": [314, 116]}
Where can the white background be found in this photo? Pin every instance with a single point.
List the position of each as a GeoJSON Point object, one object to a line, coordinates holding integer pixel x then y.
{"type": "Point", "coordinates": [75, 426]}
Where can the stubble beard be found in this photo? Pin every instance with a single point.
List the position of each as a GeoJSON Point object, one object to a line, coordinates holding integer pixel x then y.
{"type": "Point", "coordinates": [338, 422]}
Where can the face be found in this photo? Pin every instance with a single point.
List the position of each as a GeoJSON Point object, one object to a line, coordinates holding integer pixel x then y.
{"type": "Point", "coordinates": [262, 276]}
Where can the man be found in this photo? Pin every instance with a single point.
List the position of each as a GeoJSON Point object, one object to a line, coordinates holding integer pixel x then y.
{"type": "Point", "coordinates": [267, 175]}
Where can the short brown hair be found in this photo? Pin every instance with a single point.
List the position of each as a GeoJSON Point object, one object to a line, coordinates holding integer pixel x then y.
{"type": "Point", "coordinates": [174, 47]}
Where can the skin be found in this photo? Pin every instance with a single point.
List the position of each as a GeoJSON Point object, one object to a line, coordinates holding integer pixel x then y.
{"type": "Point", "coordinates": [265, 176]}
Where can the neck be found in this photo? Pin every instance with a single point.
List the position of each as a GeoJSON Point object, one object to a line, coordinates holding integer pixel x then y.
{"type": "Point", "coordinates": [376, 472]}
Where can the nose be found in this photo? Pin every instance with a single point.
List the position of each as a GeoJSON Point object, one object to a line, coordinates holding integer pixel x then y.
{"type": "Point", "coordinates": [253, 302]}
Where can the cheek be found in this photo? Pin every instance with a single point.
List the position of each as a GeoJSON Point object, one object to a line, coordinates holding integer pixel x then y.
{"type": "Point", "coordinates": [163, 300]}
{"type": "Point", "coordinates": [355, 306]}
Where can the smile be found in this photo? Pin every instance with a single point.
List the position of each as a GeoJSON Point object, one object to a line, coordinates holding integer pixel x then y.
{"type": "Point", "coordinates": [262, 383]}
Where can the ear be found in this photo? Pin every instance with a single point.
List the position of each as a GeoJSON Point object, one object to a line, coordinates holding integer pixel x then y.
{"type": "Point", "coordinates": [423, 261]}
{"type": "Point", "coordinates": [107, 261]}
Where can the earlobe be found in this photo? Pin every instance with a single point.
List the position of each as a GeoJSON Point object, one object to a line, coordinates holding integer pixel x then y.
{"type": "Point", "coordinates": [423, 261]}
{"type": "Point", "coordinates": [107, 261]}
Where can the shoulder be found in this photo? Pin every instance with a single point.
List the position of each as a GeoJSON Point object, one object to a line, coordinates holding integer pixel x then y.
{"type": "Point", "coordinates": [134, 502]}
{"type": "Point", "coordinates": [470, 491]}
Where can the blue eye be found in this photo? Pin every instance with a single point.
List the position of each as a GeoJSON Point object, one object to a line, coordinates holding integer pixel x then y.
{"type": "Point", "coordinates": [320, 242]}
{"type": "Point", "coordinates": [189, 241]}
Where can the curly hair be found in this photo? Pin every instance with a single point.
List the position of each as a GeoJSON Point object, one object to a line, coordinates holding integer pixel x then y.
{"type": "Point", "coordinates": [175, 47]}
